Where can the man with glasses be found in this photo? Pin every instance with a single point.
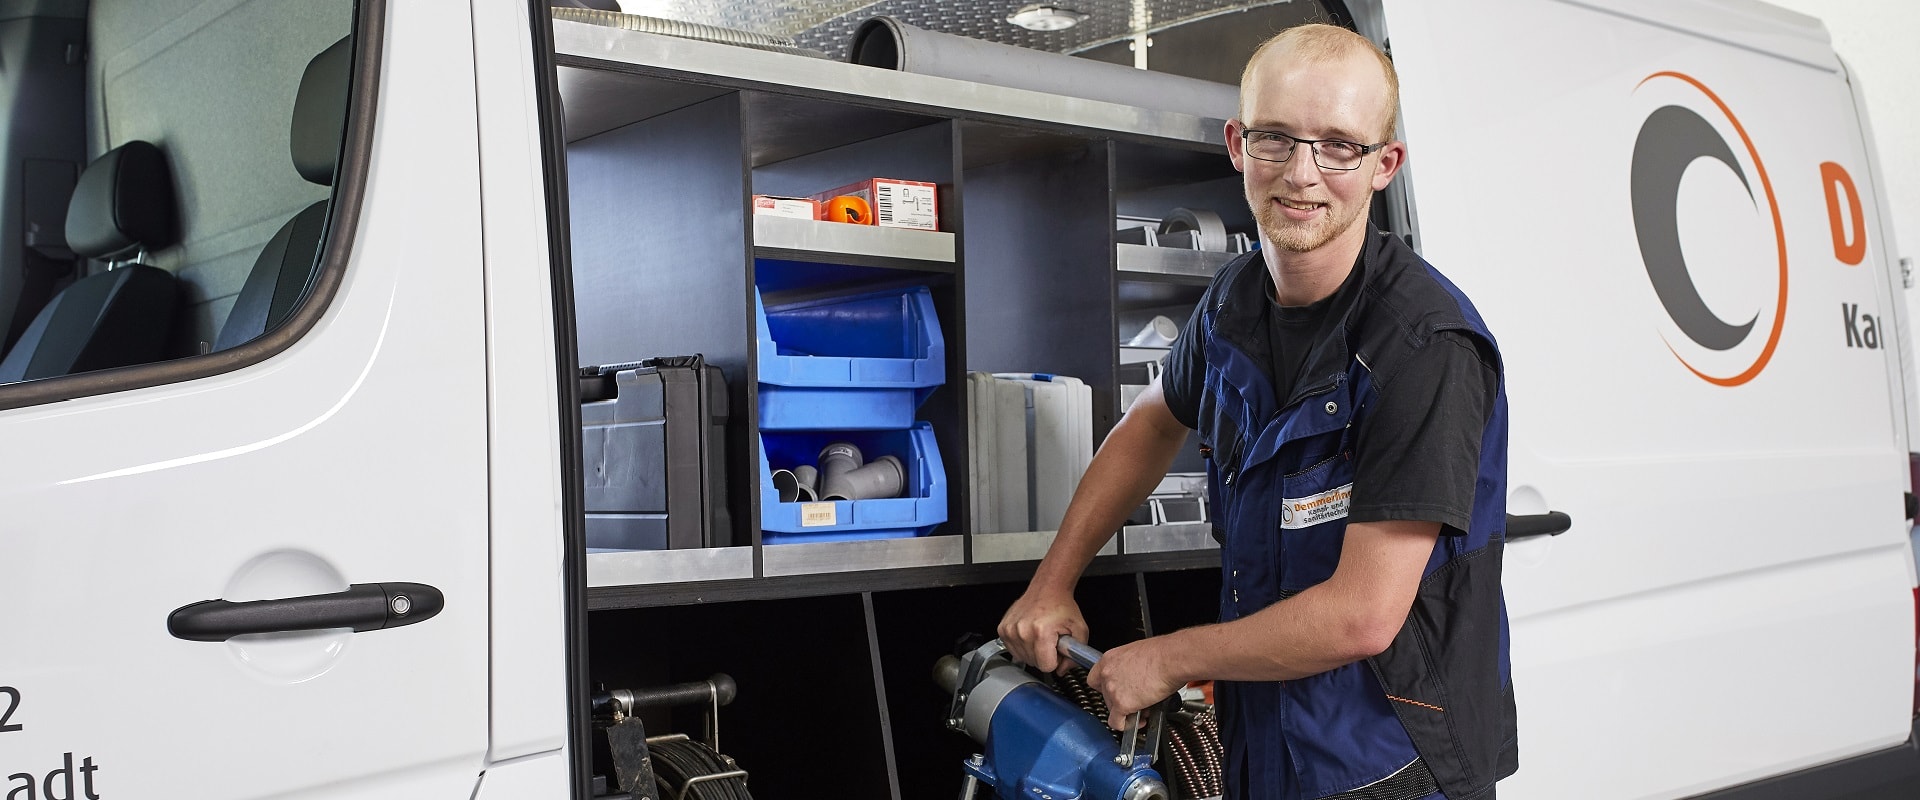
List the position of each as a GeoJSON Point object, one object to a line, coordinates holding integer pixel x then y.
{"type": "Point", "coordinates": [1352, 413]}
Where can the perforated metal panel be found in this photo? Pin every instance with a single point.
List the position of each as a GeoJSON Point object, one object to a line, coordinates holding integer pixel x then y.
{"type": "Point", "coordinates": [828, 25]}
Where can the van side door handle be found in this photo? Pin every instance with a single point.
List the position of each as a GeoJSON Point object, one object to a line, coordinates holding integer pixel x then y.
{"type": "Point", "coordinates": [1552, 523]}
{"type": "Point", "coordinates": [362, 607]}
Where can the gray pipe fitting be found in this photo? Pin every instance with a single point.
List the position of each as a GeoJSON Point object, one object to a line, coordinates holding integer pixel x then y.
{"type": "Point", "coordinates": [795, 485]}
{"type": "Point", "coordinates": [883, 478]}
{"type": "Point", "coordinates": [836, 460]}
{"type": "Point", "coordinates": [809, 479]}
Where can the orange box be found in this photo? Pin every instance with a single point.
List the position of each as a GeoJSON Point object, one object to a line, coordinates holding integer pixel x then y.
{"type": "Point", "coordinates": [896, 203]}
{"type": "Point", "coordinates": [796, 207]}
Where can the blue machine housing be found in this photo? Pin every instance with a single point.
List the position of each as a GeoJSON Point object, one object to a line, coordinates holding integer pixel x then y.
{"type": "Point", "coordinates": [1042, 745]}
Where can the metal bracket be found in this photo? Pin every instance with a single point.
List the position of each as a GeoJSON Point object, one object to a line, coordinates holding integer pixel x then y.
{"type": "Point", "coordinates": [972, 667]}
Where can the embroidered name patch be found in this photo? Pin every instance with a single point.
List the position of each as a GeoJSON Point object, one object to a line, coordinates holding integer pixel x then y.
{"type": "Point", "coordinates": [1306, 512]}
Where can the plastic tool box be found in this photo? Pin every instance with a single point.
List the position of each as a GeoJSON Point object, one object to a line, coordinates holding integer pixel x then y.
{"type": "Point", "coordinates": [859, 362]}
{"type": "Point", "coordinates": [654, 445]}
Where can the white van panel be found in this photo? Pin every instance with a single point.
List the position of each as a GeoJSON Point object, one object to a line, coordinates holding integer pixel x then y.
{"type": "Point", "coordinates": [1725, 502]}
{"type": "Point", "coordinates": [1886, 242]}
{"type": "Point", "coordinates": [529, 633]}
{"type": "Point", "coordinates": [356, 456]}
{"type": "Point", "coordinates": [542, 777]}
{"type": "Point", "coordinates": [1751, 24]}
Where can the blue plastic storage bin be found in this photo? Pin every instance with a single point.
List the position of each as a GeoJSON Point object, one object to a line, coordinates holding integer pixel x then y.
{"type": "Point", "coordinates": [922, 509]}
{"type": "Point", "coordinates": [863, 362]}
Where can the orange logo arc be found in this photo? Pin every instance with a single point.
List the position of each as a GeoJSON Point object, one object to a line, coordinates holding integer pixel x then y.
{"type": "Point", "coordinates": [1779, 233]}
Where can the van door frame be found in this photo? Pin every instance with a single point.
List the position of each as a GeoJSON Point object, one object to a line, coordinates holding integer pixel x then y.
{"type": "Point", "coordinates": [553, 162]}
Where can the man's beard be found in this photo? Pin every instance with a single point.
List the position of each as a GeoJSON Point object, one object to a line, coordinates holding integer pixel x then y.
{"type": "Point", "coordinates": [1294, 237]}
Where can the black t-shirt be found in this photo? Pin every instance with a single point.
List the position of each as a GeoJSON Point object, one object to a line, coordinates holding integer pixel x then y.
{"type": "Point", "coordinates": [1417, 450]}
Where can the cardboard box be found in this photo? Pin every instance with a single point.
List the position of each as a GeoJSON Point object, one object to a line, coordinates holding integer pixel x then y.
{"type": "Point", "coordinates": [895, 203]}
{"type": "Point", "coordinates": [796, 207]}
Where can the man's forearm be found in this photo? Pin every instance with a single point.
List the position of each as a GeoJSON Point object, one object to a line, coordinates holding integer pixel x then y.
{"type": "Point", "coordinates": [1304, 635]}
{"type": "Point", "coordinates": [1353, 615]}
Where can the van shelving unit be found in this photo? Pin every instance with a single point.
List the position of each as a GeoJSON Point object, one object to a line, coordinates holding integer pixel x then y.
{"type": "Point", "coordinates": [668, 140]}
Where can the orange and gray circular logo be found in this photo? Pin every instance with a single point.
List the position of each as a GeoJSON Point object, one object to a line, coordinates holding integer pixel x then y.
{"type": "Point", "coordinates": [1726, 343]}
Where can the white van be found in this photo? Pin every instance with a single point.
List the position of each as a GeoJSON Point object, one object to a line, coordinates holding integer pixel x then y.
{"type": "Point", "coordinates": [360, 394]}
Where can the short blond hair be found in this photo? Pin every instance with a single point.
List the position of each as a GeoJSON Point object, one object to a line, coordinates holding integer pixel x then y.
{"type": "Point", "coordinates": [1319, 42]}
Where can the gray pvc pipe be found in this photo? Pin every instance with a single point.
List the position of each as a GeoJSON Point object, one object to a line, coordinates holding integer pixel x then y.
{"type": "Point", "coordinates": [792, 486]}
{"type": "Point", "coordinates": [888, 43]}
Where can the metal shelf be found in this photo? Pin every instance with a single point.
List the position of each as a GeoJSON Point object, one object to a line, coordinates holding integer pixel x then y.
{"type": "Point", "coordinates": [669, 566]}
{"type": "Point", "coordinates": [995, 548]}
{"type": "Point", "coordinates": [1139, 262]}
{"type": "Point", "coordinates": [815, 558]}
{"type": "Point", "coordinates": [839, 583]}
{"type": "Point", "coordinates": [1169, 538]}
{"type": "Point", "coordinates": [820, 242]}
{"type": "Point", "coordinates": [644, 54]}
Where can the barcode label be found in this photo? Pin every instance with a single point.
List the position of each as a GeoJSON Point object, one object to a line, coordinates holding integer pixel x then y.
{"type": "Point", "coordinates": [816, 515]}
{"type": "Point", "coordinates": [900, 205]}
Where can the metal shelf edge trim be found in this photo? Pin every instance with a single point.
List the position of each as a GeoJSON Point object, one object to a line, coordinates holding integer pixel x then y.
{"type": "Point", "coordinates": [812, 558]}
{"type": "Point", "coordinates": [830, 238]}
{"type": "Point", "coordinates": [997, 548]}
{"type": "Point", "coordinates": [1168, 538]}
{"type": "Point", "coordinates": [669, 566]}
{"type": "Point", "coordinates": [696, 58]}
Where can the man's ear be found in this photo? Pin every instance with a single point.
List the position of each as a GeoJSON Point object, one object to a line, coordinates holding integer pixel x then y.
{"type": "Point", "coordinates": [1236, 146]}
{"type": "Point", "coordinates": [1392, 158]}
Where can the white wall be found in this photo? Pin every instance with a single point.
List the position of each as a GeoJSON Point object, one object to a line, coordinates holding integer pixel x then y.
{"type": "Point", "coordinates": [1876, 37]}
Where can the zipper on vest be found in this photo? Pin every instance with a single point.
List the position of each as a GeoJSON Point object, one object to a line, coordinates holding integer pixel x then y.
{"type": "Point", "coordinates": [1232, 462]}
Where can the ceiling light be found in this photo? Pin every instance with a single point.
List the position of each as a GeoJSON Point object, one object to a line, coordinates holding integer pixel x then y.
{"type": "Point", "coordinates": [1040, 17]}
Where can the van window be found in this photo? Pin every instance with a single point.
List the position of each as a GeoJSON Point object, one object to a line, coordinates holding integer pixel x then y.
{"type": "Point", "coordinates": [168, 173]}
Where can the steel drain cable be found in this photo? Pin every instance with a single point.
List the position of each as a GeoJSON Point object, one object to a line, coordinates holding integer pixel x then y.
{"type": "Point", "coordinates": [689, 770]}
{"type": "Point", "coordinates": [1196, 756]}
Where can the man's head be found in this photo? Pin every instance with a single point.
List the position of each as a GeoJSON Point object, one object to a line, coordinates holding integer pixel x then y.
{"type": "Point", "coordinates": [1315, 82]}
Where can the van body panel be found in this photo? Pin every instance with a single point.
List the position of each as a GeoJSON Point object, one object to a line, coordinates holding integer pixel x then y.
{"type": "Point", "coordinates": [541, 777]}
{"type": "Point", "coordinates": [1883, 239]}
{"type": "Point", "coordinates": [529, 645]}
{"type": "Point", "coordinates": [358, 455]}
{"type": "Point", "coordinates": [1753, 25]}
{"type": "Point", "coordinates": [1734, 598]}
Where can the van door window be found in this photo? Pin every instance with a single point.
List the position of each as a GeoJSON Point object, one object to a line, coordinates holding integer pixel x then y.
{"type": "Point", "coordinates": [175, 183]}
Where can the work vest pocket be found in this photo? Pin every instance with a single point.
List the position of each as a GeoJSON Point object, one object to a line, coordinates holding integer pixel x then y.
{"type": "Point", "coordinates": [1411, 782]}
{"type": "Point", "coordinates": [1319, 492]}
{"type": "Point", "coordinates": [1343, 735]}
{"type": "Point", "coordinates": [1447, 675]}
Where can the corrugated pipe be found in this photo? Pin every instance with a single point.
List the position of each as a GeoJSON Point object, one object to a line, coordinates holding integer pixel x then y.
{"type": "Point", "coordinates": [685, 30]}
{"type": "Point", "coordinates": [888, 43]}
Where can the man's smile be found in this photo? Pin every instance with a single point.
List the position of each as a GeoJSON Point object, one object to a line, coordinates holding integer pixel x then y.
{"type": "Point", "coordinates": [1298, 209]}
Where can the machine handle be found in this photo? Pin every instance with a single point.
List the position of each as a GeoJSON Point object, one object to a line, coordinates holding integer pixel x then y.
{"type": "Point", "coordinates": [362, 607]}
{"type": "Point", "coordinates": [717, 690]}
{"type": "Point", "coordinates": [1552, 523]}
{"type": "Point", "coordinates": [1079, 652]}
{"type": "Point", "coordinates": [1083, 654]}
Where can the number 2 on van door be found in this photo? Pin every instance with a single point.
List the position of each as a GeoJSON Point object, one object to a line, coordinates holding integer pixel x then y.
{"type": "Point", "coordinates": [13, 704]}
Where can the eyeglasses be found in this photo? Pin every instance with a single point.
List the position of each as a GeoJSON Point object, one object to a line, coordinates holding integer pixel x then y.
{"type": "Point", "coordinates": [1333, 154]}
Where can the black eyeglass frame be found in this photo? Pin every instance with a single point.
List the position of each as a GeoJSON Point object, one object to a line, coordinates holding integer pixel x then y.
{"type": "Point", "coordinates": [1246, 146]}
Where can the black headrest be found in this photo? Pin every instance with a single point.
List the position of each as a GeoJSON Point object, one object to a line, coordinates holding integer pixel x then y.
{"type": "Point", "coordinates": [320, 113]}
{"type": "Point", "coordinates": [123, 202]}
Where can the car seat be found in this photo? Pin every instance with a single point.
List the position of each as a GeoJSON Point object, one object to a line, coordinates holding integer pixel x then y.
{"type": "Point", "coordinates": [122, 208]}
{"type": "Point", "coordinates": [285, 268]}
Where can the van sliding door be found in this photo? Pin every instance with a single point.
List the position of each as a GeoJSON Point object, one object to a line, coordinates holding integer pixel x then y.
{"type": "Point", "coordinates": [1635, 196]}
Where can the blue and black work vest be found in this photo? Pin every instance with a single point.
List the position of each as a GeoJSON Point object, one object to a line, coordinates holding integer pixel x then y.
{"type": "Point", "coordinates": [1436, 708]}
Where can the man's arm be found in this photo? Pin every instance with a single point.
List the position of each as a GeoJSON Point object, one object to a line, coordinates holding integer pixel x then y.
{"type": "Point", "coordinates": [1353, 615]}
{"type": "Point", "coordinates": [1131, 462]}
